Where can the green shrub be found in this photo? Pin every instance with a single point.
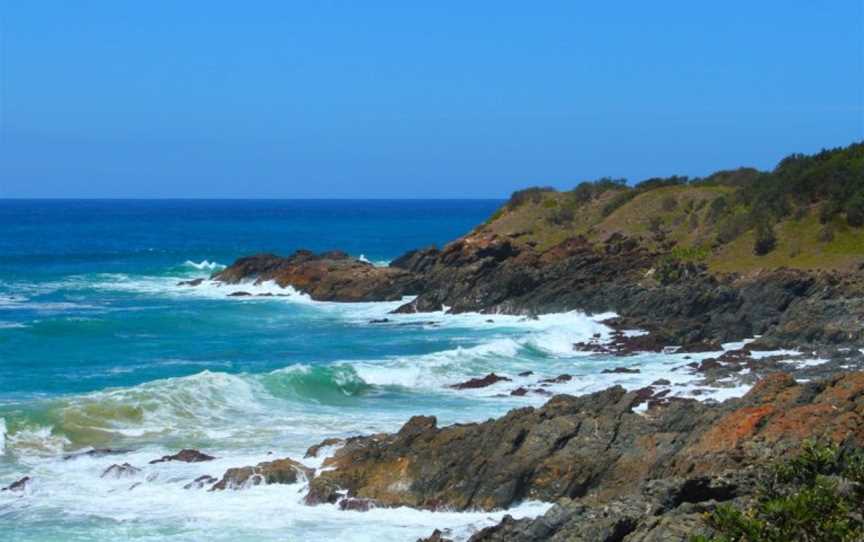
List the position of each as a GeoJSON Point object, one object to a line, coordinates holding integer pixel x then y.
{"type": "Point", "coordinates": [719, 207]}
{"type": "Point", "coordinates": [589, 190]}
{"type": "Point", "coordinates": [533, 194]}
{"type": "Point", "coordinates": [855, 210]}
{"type": "Point", "coordinates": [732, 227]}
{"type": "Point", "coordinates": [618, 201]}
{"type": "Point", "coordinates": [562, 215]}
{"type": "Point", "coordinates": [815, 496]}
{"type": "Point", "coordinates": [826, 233]}
{"type": "Point", "coordinates": [765, 238]}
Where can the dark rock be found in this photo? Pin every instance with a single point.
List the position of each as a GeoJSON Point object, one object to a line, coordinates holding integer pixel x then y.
{"type": "Point", "coordinates": [186, 456]}
{"type": "Point", "coordinates": [330, 276]}
{"type": "Point", "coordinates": [560, 379]}
{"type": "Point", "coordinates": [526, 373]}
{"type": "Point", "coordinates": [379, 321]}
{"type": "Point", "coordinates": [519, 392]}
{"type": "Point", "coordinates": [193, 282]}
{"type": "Point", "coordinates": [239, 294]}
{"type": "Point", "coordinates": [19, 485]}
{"type": "Point", "coordinates": [624, 370]}
{"type": "Point", "coordinates": [96, 452]}
{"type": "Point", "coordinates": [357, 505]}
{"type": "Point", "coordinates": [591, 446]}
{"type": "Point", "coordinates": [436, 536]}
{"type": "Point", "coordinates": [201, 482]}
{"type": "Point", "coordinates": [120, 471]}
{"type": "Point", "coordinates": [474, 383]}
{"type": "Point", "coordinates": [661, 382]}
{"type": "Point", "coordinates": [313, 450]}
{"type": "Point", "coordinates": [279, 471]}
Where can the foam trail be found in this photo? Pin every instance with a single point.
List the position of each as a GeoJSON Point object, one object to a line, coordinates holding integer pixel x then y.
{"type": "Point", "coordinates": [204, 265]}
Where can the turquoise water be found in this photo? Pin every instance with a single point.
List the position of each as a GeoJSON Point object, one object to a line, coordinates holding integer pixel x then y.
{"type": "Point", "coordinates": [99, 347]}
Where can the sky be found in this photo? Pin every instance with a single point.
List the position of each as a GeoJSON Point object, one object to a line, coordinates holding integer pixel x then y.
{"type": "Point", "coordinates": [381, 99]}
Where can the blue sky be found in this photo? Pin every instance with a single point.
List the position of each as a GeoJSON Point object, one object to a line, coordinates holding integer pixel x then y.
{"type": "Point", "coordinates": [413, 99]}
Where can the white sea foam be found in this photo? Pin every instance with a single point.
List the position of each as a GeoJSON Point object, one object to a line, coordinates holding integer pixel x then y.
{"type": "Point", "coordinates": [157, 493]}
{"type": "Point", "coordinates": [376, 263]}
{"type": "Point", "coordinates": [204, 265]}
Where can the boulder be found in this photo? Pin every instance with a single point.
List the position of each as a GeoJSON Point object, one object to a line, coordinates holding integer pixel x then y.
{"type": "Point", "coordinates": [330, 276]}
{"type": "Point", "coordinates": [19, 485]}
{"type": "Point", "coordinates": [483, 382]}
{"type": "Point", "coordinates": [279, 471]}
{"type": "Point", "coordinates": [201, 482]}
{"type": "Point", "coordinates": [120, 471]}
{"type": "Point", "coordinates": [186, 456]}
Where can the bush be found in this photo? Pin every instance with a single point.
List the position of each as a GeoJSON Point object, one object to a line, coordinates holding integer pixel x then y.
{"type": "Point", "coordinates": [562, 215]}
{"type": "Point", "coordinates": [808, 498]}
{"type": "Point", "coordinates": [619, 201]}
{"type": "Point", "coordinates": [732, 228]}
{"type": "Point", "coordinates": [661, 182]}
{"type": "Point", "coordinates": [765, 238]}
{"type": "Point", "coordinates": [533, 195]}
{"type": "Point", "coordinates": [669, 204]}
{"type": "Point", "coordinates": [719, 207]}
{"type": "Point", "coordinates": [855, 210]}
{"type": "Point", "coordinates": [589, 190]}
{"type": "Point", "coordinates": [826, 233]}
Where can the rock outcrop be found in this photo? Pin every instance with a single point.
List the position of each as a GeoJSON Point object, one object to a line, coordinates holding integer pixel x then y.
{"type": "Point", "coordinates": [279, 471]}
{"type": "Point", "coordinates": [19, 485]}
{"type": "Point", "coordinates": [487, 272]}
{"type": "Point", "coordinates": [593, 446]}
{"type": "Point", "coordinates": [120, 471]}
{"type": "Point", "coordinates": [330, 276]}
{"type": "Point", "coordinates": [185, 456]}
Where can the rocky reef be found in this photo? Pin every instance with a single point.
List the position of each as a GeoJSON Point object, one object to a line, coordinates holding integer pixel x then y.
{"type": "Point", "coordinates": [330, 276]}
{"type": "Point", "coordinates": [486, 272]}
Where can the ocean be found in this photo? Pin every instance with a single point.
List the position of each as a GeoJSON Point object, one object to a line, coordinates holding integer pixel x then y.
{"type": "Point", "coordinates": [100, 347]}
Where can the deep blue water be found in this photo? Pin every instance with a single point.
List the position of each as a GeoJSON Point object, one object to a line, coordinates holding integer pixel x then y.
{"type": "Point", "coordinates": [71, 331]}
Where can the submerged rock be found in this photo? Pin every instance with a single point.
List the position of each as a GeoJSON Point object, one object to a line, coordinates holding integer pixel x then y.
{"type": "Point", "coordinates": [96, 452]}
{"type": "Point", "coordinates": [186, 455]}
{"type": "Point", "coordinates": [357, 505]}
{"type": "Point", "coordinates": [474, 383]}
{"type": "Point", "coordinates": [19, 485]}
{"type": "Point", "coordinates": [193, 282]}
{"type": "Point", "coordinates": [621, 370]}
{"type": "Point", "coordinates": [201, 482]}
{"type": "Point", "coordinates": [279, 471]}
{"type": "Point", "coordinates": [120, 471]}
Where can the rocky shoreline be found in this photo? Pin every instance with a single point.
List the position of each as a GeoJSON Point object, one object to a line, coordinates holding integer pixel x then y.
{"type": "Point", "coordinates": [489, 274]}
{"type": "Point", "coordinates": [614, 472]}
{"type": "Point", "coordinates": [640, 465]}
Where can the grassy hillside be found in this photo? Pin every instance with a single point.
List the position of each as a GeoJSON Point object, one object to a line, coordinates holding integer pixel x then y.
{"type": "Point", "coordinates": [807, 213]}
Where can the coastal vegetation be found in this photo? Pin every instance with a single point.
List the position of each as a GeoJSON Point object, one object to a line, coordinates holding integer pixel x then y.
{"type": "Point", "coordinates": [817, 495]}
{"type": "Point", "coordinates": [807, 213]}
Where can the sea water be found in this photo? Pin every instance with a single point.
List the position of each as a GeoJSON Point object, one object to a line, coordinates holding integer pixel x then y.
{"type": "Point", "coordinates": [100, 347]}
